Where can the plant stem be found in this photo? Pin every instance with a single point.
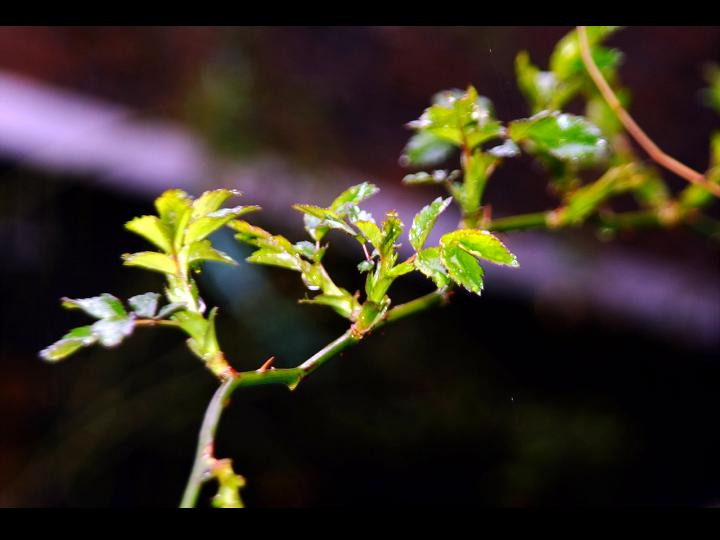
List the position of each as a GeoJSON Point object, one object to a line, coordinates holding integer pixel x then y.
{"type": "Point", "coordinates": [289, 377]}
{"type": "Point", "coordinates": [537, 220]}
{"type": "Point", "coordinates": [652, 149]}
{"type": "Point", "coordinates": [205, 443]}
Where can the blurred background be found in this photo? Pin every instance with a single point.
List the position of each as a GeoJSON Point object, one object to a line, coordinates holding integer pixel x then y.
{"type": "Point", "coordinates": [588, 376]}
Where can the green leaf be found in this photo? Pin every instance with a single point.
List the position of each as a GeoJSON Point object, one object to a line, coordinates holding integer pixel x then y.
{"type": "Point", "coordinates": [342, 304]}
{"type": "Point", "coordinates": [584, 201]}
{"type": "Point", "coordinates": [210, 201]}
{"type": "Point", "coordinates": [309, 250]}
{"type": "Point", "coordinates": [371, 232]}
{"type": "Point", "coordinates": [711, 94]}
{"type": "Point", "coordinates": [152, 229]}
{"type": "Point", "coordinates": [504, 150]}
{"type": "Point", "coordinates": [276, 258]}
{"type": "Point", "coordinates": [538, 87]}
{"type": "Point", "coordinates": [229, 485]}
{"type": "Point", "coordinates": [366, 266]}
{"type": "Point", "coordinates": [566, 61]}
{"type": "Point", "coordinates": [354, 196]}
{"type": "Point", "coordinates": [481, 244]}
{"type": "Point", "coordinates": [193, 323]}
{"type": "Point", "coordinates": [110, 332]}
{"type": "Point", "coordinates": [563, 136]}
{"type": "Point", "coordinates": [400, 269]}
{"type": "Point", "coordinates": [425, 220]}
{"type": "Point", "coordinates": [100, 307]}
{"type": "Point", "coordinates": [462, 267]}
{"type": "Point", "coordinates": [327, 217]}
{"type": "Point", "coordinates": [203, 251]}
{"type": "Point", "coordinates": [169, 309]}
{"type": "Point", "coordinates": [74, 340]}
{"type": "Point", "coordinates": [429, 262]}
{"type": "Point", "coordinates": [391, 230]}
{"type": "Point", "coordinates": [172, 206]}
{"type": "Point", "coordinates": [248, 234]}
{"type": "Point", "coordinates": [151, 260]}
{"type": "Point", "coordinates": [437, 177]}
{"type": "Point", "coordinates": [144, 305]}
{"type": "Point", "coordinates": [477, 167]}
{"type": "Point", "coordinates": [425, 149]}
{"type": "Point", "coordinates": [204, 226]}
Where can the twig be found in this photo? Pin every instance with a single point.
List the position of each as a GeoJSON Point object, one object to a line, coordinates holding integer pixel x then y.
{"type": "Point", "coordinates": [289, 377]}
{"type": "Point", "coordinates": [652, 149]}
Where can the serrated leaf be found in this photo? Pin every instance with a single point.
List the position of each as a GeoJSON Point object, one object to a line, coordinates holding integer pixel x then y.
{"type": "Point", "coordinates": [462, 267]}
{"type": "Point", "coordinates": [151, 260]}
{"type": "Point", "coordinates": [429, 262]}
{"type": "Point", "coordinates": [110, 332]}
{"type": "Point", "coordinates": [354, 196]}
{"type": "Point", "coordinates": [327, 217]}
{"type": "Point", "coordinates": [425, 220]}
{"type": "Point", "coordinates": [564, 136]}
{"type": "Point", "coordinates": [276, 258]}
{"type": "Point", "coordinates": [153, 229]}
{"type": "Point", "coordinates": [204, 251]}
{"type": "Point", "coordinates": [481, 244]}
{"type": "Point", "coordinates": [425, 149]}
{"type": "Point", "coordinates": [100, 307]}
{"type": "Point", "coordinates": [144, 305]}
{"type": "Point", "coordinates": [248, 233]}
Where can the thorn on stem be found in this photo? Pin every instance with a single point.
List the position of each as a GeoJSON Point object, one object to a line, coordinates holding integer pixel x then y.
{"type": "Point", "coordinates": [266, 365]}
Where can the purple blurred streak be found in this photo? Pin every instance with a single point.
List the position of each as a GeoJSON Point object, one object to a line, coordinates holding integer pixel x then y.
{"type": "Point", "coordinates": [57, 130]}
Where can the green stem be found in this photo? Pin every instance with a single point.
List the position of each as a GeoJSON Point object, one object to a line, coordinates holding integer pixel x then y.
{"type": "Point", "coordinates": [537, 220]}
{"type": "Point", "coordinates": [289, 377]}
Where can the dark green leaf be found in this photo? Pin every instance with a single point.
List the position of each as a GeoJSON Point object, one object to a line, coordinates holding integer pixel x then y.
{"type": "Point", "coordinates": [425, 149]}
{"type": "Point", "coordinates": [563, 136]}
{"type": "Point", "coordinates": [481, 244]}
{"type": "Point", "coordinates": [462, 267]}
{"type": "Point", "coordinates": [429, 262]}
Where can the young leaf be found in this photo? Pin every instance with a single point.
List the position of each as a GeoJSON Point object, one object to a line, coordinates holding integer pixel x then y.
{"type": "Point", "coordinates": [210, 201]}
{"type": "Point", "coordinates": [481, 244]}
{"type": "Point", "coordinates": [144, 305]}
{"type": "Point", "coordinates": [276, 258]}
{"type": "Point", "coordinates": [202, 227]}
{"type": "Point", "coordinates": [563, 136]}
{"type": "Point", "coordinates": [371, 232]}
{"type": "Point", "coordinates": [77, 338]}
{"type": "Point", "coordinates": [203, 251]}
{"type": "Point", "coordinates": [151, 260]}
{"type": "Point", "coordinates": [152, 229]}
{"type": "Point", "coordinates": [172, 206]}
{"type": "Point", "coordinates": [327, 217]}
{"type": "Point", "coordinates": [566, 61]}
{"type": "Point", "coordinates": [462, 267]}
{"type": "Point", "coordinates": [100, 307]}
{"type": "Point", "coordinates": [342, 304]}
{"type": "Point", "coordinates": [425, 220]}
{"type": "Point", "coordinates": [229, 485]}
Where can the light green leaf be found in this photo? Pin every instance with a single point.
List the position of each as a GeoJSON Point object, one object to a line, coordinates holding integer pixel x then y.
{"type": "Point", "coordinates": [366, 266]}
{"type": "Point", "coordinates": [172, 207]}
{"type": "Point", "coordinates": [203, 251]}
{"type": "Point", "coordinates": [401, 269]}
{"type": "Point", "coordinates": [151, 260]}
{"type": "Point", "coordinates": [391, 230]}
{"type": "Point", "coordinates": [152, 229]}
{"type": "Point", "coordinates": [481, 244]}
{"type": "Point", "coordinates": [100, 307]}
{"type": "Point", "coordinates": [566, 61]}
{"type": "Point", "coordinates": [202, 227]}
{"type": "Point", "coordinates": [327, 217]}
{"type": "Point", "coordinates": [354, 196]}
{"type": "Point", "coordinates": [563, 136]}
{"type": "Point", "coordinates": [437, 177]}
{"type": "Point", "coordinates": [276, 258]}
{"type": "Point", "coordinates": [169, 309]}
{"type": "Point", "coordinates": [425, 220]}
{"type": "Point", "coordinates": [194, 324]}
{"type": "Point", "coordinates": [74, 340]}
{"type": "Point", "coordinates": [248, 234]}
{"type": "Point", "coordinates": [371, 232]}
{"type": "Point", "coordinates": [144, 305]}
{"type": "Point", "coordinates": [210, 201]}
{"type": "Point", "coordinates": [229, 485]}
{"type": "Point", "coordinates": [462, 267]}
{"type": "Point", "coordinates": [343, 304]}
{"type": "Point", "coordinates": [429, 262]}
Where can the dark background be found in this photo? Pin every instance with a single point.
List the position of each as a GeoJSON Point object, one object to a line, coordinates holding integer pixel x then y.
{"type": "Point", "coordinates": [543, 392]}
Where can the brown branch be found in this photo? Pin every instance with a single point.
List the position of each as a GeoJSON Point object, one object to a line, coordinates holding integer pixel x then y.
{"type": "Point", "coordinates": [652, 149]}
